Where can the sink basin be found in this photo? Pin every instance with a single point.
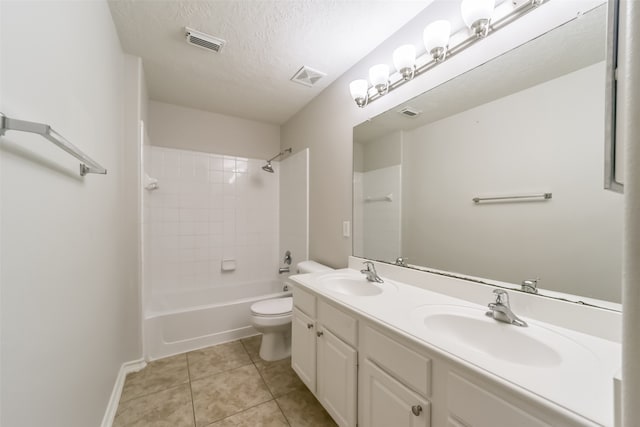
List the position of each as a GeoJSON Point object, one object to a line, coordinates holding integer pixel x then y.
{"type": "Point", "coordinates": [469, 328]}
{"type": "Point", "coordinates": [352, 284]}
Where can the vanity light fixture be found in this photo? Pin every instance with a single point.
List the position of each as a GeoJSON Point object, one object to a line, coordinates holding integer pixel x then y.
{"type": "Point", "coordinates": [477, 15]}
{"type": "Point", "coordinates": [360, 92]}
{"type": "Point", "coordinates": [436, 39]}
{"type": "Point", "coordinates": [481, 17]}
{"type": "Point", "coordinates": [379, 77]}
{"type": "Point", "coordinates": [404, 59]}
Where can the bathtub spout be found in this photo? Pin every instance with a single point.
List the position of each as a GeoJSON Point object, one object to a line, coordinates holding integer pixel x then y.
{"type": "Point", "coordinates": [283, 270]}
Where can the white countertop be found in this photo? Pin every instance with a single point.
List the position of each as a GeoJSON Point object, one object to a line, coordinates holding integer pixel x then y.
{"type": "Point", "coordinates": [583, 384]}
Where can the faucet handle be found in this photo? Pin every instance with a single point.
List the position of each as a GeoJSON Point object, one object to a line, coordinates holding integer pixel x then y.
{"type": "Point", "coordinates": [502, 297]}
{"type": "Point", "coordinates": [530, 285]}
{"type": "Point", "coordinates": [369, 265]}
{"type": "Point", "coordinates": [401, 261]}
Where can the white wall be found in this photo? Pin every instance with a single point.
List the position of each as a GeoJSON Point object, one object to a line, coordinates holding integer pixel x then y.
{"type": "Point", "coordinates": [382, 152]}
{"type": "Point", "coordinates": [325, 124]}
{"type": "Point", "coordinates": [69, 293]}
{"type": "Point", "coordinates": [544, 139]}
{"type": "Point", "coordinates": [173, 126]}
{"type": "Point", "coordinates": [208, 208]}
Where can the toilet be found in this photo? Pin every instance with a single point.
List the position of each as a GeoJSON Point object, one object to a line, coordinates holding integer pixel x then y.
{"type": "Point", "coordinates": [272, 317]}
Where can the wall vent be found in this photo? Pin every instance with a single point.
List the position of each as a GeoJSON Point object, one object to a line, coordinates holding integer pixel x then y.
{"type": "Point", "coordinates": [307, 76]}
{"type": "Point", "coordinates": [410, 112]}
{"type": "Point", "coordinates": [203, 40]}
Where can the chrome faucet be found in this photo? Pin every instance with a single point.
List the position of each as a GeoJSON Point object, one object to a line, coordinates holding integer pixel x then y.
{"type": "Point", "coordinates": [530, 286]}
{"type": "Point", "coordinates": [371, 273]}
{"type": "Point", "coordinates": [501, 309]}
{"type": "Point", "coordinates": [401, 261]}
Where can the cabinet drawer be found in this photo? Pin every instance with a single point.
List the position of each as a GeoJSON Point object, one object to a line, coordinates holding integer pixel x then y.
{"type": "Point", "coordinates": [338, 322]}
{"type": "Point", "coordinates": [412, 368]}
{"type": "Point", "coordinates": [305, 301]}
{"type": "Point", "coordinates": [472, 405]}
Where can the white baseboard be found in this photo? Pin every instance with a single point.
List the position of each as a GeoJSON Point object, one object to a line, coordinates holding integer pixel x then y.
{"type": "Point", "coordinates": [112, 407]}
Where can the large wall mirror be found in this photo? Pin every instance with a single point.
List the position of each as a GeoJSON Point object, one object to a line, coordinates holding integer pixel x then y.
{"type": "Point", "coordinates": [526, 123]}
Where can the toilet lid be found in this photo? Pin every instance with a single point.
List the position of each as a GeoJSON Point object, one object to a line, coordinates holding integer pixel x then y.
{"type": "Point", "coordinates": [273, 307]}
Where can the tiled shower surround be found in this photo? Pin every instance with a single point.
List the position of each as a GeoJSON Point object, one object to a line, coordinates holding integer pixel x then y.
{"type": "Point", "coordinates": [208, 208]}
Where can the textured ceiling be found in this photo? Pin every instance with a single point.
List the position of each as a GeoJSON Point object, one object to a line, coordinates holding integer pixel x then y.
{"type": "Point", "coordinates": [267, 41]}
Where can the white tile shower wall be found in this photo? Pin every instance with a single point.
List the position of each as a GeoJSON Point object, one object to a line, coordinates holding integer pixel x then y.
{"type": "Point", "coordinates": [209, 208]}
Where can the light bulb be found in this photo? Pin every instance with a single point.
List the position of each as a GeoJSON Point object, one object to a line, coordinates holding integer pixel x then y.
{"type": "Point", "coordinates": [477, 14]}
{"type": "Point", "coordinates": [379, 77]}
{"type": "Point", "coordinates": [359, 91]}
{"type": "Point", "coordinates": [404, 59]}
{"type": "Point", "coordinates": [436, 39]}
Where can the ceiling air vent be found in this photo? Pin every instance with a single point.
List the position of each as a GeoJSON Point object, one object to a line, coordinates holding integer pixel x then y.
{"type": "Point", "coordinates": [203, 40]}
{"type": "Point", "coordinates": [307, 76]}
{"type": "Point", "coordinates": [410, 112]}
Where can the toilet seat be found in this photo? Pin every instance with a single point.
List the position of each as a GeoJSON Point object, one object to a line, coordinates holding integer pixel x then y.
{"type": "Point", "coordinates": [272, 307]}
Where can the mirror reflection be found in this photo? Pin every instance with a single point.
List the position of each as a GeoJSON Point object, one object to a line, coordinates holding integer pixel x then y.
{"type": "Point", "coordinates": [529, 122]}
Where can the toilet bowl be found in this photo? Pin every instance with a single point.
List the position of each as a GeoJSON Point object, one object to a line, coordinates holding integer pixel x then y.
{"type": "Point", "coordinates": [272, 317]}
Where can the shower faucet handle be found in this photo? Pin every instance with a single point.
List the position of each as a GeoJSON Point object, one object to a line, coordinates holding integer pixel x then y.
{"type": "Point", "coordinates": [287, 257]}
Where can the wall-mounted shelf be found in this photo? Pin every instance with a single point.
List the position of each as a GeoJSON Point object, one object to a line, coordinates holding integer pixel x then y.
{"type": "Point", "coordinates": [87, 165]}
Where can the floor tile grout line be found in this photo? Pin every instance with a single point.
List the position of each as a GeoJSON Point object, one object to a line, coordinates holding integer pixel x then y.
{"type": "Point", "coordinates": [193, 403]}
{"type": "Point", "coordinates": [222, 372]}
{"type": "Point", "coordinates": [153, 392]}
{"type": "Point", "coordinates": [282, 412]}
{"type": "Point", "coordinates": [244, 410]}
{"type": "Point", "coordinates": [264, 381]}
{"type": "Point", "coordinates": [225, 370]}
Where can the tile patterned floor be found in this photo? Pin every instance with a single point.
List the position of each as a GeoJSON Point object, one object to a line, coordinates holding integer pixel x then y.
{"type": "Point", "coordinates": [227, 385]}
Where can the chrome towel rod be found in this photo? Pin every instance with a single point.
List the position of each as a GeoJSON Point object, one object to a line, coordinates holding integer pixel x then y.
{"type": "Point", "coordinates": [543, 196]}
{"type": "Point", "coordinates": [88, 165]}
{"type": "Point", "coordinates": [385, 198]}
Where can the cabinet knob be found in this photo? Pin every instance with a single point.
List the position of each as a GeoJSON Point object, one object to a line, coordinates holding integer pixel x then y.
{"type": "Point", "coordinates": [319, 333]}
{"type": "Point", "coordinates": [416, 410]}
{"type": "Point", "coordinates": [309, 325]}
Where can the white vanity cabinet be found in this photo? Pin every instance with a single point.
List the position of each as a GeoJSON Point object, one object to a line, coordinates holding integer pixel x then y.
{"type": "Point", "coordinates": [363, 369]}
{"type": "Point", "coordinates": [324, 355]}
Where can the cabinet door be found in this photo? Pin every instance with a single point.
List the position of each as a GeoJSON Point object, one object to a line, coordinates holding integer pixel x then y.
{"type": "Point", "coordinates": [303, 348]}
{"type": "Point", "coordinates": [337, 378]}
{"type": "Point", "coordinates": [386, 402]}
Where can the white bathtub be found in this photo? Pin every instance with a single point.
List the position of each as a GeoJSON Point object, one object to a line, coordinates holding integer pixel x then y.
{"type": "Point", "coordinates": [178, 322]}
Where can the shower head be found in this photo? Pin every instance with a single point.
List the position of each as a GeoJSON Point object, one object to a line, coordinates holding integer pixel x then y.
{"type": "Point", "coordinates": [268, 167]}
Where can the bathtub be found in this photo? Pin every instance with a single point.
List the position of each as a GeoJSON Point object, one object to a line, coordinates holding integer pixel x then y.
{"type": "Point", "coordinates": [183, 321]}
